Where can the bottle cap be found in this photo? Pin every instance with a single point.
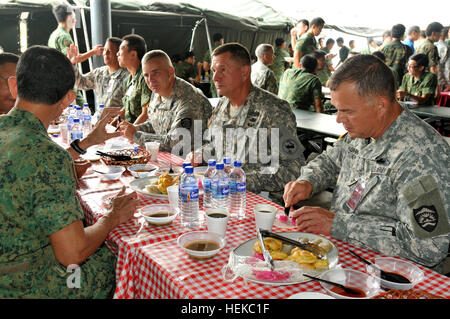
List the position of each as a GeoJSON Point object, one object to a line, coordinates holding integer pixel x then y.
{"type": "Point", "coordinates": [237, 164]}
{"type": "Point", "coordinates": [227, 160]}
{"type": "Point", "coordinates": [186, 164]}
{"type": "Point", "coordinates": [212, 162]}
{"type": "Point", "coordinates": [219, 166]}
{"type": "Point", "coordinates": [85, 104]}
{"type": "Point", "coordinates": [76, 120]}
{"type": "Point", "coordinates": [188, 169]}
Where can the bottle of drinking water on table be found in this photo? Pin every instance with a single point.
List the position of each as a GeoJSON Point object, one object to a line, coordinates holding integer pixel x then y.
{"type": "Point", "coordinates": [79, 113]}
{"type": "Point", "coordinates": [87, 119]}
{"type": "Point", "coordinates": [76, 131]}
{"type": "Point", "coordinates": [207, 196]}
{"type": "Point", "coordinates": [70, 116]}
{"type": "Point", "coordinates": [188, 202]}
{"type": "Point", "coordinates": [227, 167]}
{"type": "Point", "coordinates": [238, 185]}
{"type": "Point", "coordinates": [98, 114]}
{"type": "Point", "coordinates": [220, 188]}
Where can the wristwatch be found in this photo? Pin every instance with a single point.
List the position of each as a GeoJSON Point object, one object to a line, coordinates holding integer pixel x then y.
{"type": "Point", "coordinates": [77, 147]}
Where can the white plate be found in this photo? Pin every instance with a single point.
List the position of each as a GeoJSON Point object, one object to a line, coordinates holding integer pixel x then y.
{"type": "Point", "coordinates": [246, 249]}
{"type": "Point", "coordinates": [138, 185]}
{"type": "Point", "coordinates": [310, 295]}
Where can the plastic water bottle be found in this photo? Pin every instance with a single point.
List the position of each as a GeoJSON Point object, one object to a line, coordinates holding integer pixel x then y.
{"type": "Point", "coordinates": [98, 114]}
{"type": "Point", "coordinates": [220, 188]}
{"type": "Point", "coordinates": [79, 113]}
{"type": "Point", "coordinates": [227, 167]}
{"type": "Point", "coordinates": [65, 113]}
{"type": "Point", "coordinates": [207, 196]}
{"type": "Point", "coordinates": [188, 203]}
{"type": "Point", "coordinates": [238, 187]}
{"type": "Point", "coordinates": [70, 117]}
{"type": "Point", "coordinates": [76, 131]}
{"type": "Point", "coordinates": [87, 120]}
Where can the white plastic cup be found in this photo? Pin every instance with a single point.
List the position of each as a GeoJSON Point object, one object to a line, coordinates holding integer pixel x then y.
{"type": "Point", "coordinates": [217, 220]}
{"type": "Point", "coordinates": [153, 149]}
{"type": "Point", "coordinates": [172, 192]}
{"type": "Point", "coordinates": [264, 216]}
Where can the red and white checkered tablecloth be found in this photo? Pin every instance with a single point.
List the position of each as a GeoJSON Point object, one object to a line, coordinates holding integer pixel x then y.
{"type": "Point", "coordinates": [152, 265]}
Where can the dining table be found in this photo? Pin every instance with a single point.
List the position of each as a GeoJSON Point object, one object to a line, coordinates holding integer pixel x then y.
{"type": "Point", "coordinates": [151, 264]}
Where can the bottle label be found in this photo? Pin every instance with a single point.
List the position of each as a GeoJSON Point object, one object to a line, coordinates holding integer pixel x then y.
{"type": "Point", "coordinates": [207, 185]}
{"type": "Point", "coordinates": [219, 190]}
{"type": "Point", "coordinates": [237, 187]}
{"type": "Point", "coordinates": [188, 194]}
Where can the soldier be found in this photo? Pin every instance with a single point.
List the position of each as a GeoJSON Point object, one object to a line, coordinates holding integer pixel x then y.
{"type": "Point", "coordinates": [418, 84]}
{"type": "Point", "coordinates": [433, 33]}
{"type": "Point", "coordinates": [109, 81]}
{"type": "Point", "coordinates": [380, 55]}
{"type": "Point", "coordinates": [343, 51]}
{"type": "Point", "coordinates": [301, 87]}
{"type": "Point", "coordinates": [217, 40]}
{"type": "Point", "coordinates": [246, 109]}
{"type": "Point", "coordinates": [8, 63]}
{"type": "Point", "coordinates": [175, 104]}
{"type": "Point", "coordinates": [396, 52]}
{"type": "Point", "coordinates": [307, 43]}
{"type": "Point", "coordinates": [262, 76]}
{"type": "Point", "coordinates": [137, 95]}
{"type": "Point", "coordinates": [297, 32]}
{"type": "Point", "coordinates": [186, 69]}
{"type": "Point", "coordinates": [389, 173]}
{"type": "Point", "coordinates": [45, 250]}
{"type": "Point", "coordinates": [279, 63]}
{"type": "Point", "coordinates": [60, 39]}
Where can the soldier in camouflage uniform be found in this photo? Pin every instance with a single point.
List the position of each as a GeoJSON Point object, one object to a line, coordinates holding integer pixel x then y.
{"type": "Point", "coordinates": [396, 52]}
{"type": "Point", "coordinates": [390, 173]}
{"type": "Point", "coordinates": [418, 85]}
{"type": "Point", "coordinates": [262, 76]}
{"type": "Point", "coordinates": [45, 252]}
{"type": "Point", "coordinates": [301, 87]}
{"type": "Point", "coordinates": [307, 43]}
{"type": "Point", "coordinates": [137, 94]}
{"type": "Point", "coordinates": [186, 69]}
{"type": "Point", "coordinates": [175, 104]}
{"type": "Point", "coordinates": [246, 108]}
{"type": "Point", "coordinates": [427, 47]}
{"type": "Point", "coordinates": [279, 63]}
{"type": "Point", "coordinates": [108, 82]}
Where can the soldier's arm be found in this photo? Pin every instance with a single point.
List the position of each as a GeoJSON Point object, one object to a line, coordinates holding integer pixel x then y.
{"type": "Point", "coordinates": [271, 84]}
{"type": "Point", "coordinates": [84, 81]}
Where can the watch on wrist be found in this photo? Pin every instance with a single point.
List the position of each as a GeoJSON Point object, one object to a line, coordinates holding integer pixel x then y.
{"type": "Point", "coordinates": [77, 147]}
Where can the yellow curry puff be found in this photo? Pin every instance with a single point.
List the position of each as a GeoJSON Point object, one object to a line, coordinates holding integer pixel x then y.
{"type": "Point", "coordinates": [303, 257]}
{"type": "Point", "coordinates": [160, 185]}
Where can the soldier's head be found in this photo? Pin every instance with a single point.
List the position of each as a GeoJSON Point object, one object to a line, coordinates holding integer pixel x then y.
{"type": "Point", "coordinates": [351, 44]}
{"type": "Point", "coordinates": [316, 26]}
{"type": "Point", "coordinates": [414, 33]}
{"type": "Point", "coordinates": [65, 15]}
{"type": "Point", "coordinates": [309, 63]}
{"type": "Point", "coordinates": [280, 43]}
{"type": "Point", "coordinates": [158, 71]}
{"type": "Point", "coordinates": [131, 50]}
{"type": "Point", "coordinates": [329, 44]}
{"type": "Point", "coordinates": [264, 53]}
{"type": "Point", "coordinates": [363, 91]}
{"type": "Point", "coordinates": [433, 31]}
{"type": "Point", "coordinates": [111, 48]}
{"type": "Point", "coordinates": [398, 31]}
{"type": "Point", "coordinates": [8, 64]}
{"type": "Point", "coordinates": [417, 63]}
{"type": "Point", "coordinates": [321, 61]}
{"type": "Point", "coordinates": [218, 38]}
{"type": "Point", "coordinates": [387, 36]}
{"type": "Point", "coordinates": [44, 77]}
{"type": "Point", "coordinates": [231, 64]}
{"type": "Point", "coordinates": [302, 27]}
{"type": "Point", "coordinates": [340, 41]}
{"type": "Point", "coordinates": [189, 57]}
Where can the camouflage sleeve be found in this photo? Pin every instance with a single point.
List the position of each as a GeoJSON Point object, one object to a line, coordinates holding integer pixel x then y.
{"type": "Point", "coordinates": [404, 82]}
{"type": "Point", "coordinates": [62, 43]}
{"type": "Point", "coordinates": [420, 229]}
{"type": "Point", "coordinates": [429, 87]}
{"type": "Point", "coordinates": [317, 89]}
{"type": "Point", "coordinates": [84, 81]}
{"type": "Point", "coordinates": [433, 56]}
{"type": "Point", "coordinates": [271, 83]}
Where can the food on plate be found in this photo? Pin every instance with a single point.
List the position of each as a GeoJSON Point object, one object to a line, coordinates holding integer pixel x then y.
{"type": "Point", "coordinates": [159, 186]}
{"type": "Point", "coordinates": [303, 257]}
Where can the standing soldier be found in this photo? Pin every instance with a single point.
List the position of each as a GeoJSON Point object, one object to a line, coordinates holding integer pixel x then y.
{"type": "Point", "coordinates": [307, 43]}
{"type": "Point", "coordinates": [262, 76]}
{"type": "Point", "coordinates": [427, 47]}
{"type": "Point", "coordinates": [396, 52]}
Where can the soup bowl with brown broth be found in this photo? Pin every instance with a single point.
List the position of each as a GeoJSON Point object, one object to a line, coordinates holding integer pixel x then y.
{"type": "Point", "coordinates": [201, 244]}
{"type": "Point", "coordinates": [158, 214]}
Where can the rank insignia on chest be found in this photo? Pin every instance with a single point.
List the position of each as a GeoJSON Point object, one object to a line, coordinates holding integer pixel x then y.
{"type": "Point", "coordinates": [426, 217]}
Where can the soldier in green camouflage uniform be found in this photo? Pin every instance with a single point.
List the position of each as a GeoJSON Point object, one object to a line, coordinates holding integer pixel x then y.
{"type": "Point", "coordinates": [391, 190]}
{"type": "Point", "coordinates": [301, 88]}
{"type": "Point", "coordinates": [418, 85]}
{"type": "Point", "coordinates": [262, 76]}
{"type": "Point", "coordinates": [396, 52]}
{"type": "Point", "coordinates": [175, 104]}
{"type": "Point", "coordinates": [307, 43]}
{"type": "Point", "coordinates": [427, 47]}
{"type": "Point", "coordinates": [279, 63]}
{"type": "Point", "coordinates": [40, 214]}
{"type": "Point", "coordinates": [186, 69]}
{"type": "Point", "coordinates": [260, 111]}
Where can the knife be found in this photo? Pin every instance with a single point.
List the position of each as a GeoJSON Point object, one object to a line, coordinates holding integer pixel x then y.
{"type": "Point", "coordinates": [266, 254]}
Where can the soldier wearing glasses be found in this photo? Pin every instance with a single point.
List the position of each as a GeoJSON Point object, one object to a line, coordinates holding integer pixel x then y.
{"type": "Point", "coordinates": [8, 63]}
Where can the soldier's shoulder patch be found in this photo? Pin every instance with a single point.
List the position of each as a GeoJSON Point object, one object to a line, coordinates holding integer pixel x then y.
{"type": "Point", "coordinates": [186, 123]}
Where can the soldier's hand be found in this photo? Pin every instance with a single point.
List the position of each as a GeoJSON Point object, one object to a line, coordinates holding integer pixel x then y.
{"type": "Point", "coordinates": [99, 134]}
{"type": "Point", "coordinates": [194, 158]}
{"type": "Point", "coordinates": [127, 129]}
{"type": "Point", "coordinates": [72, 54]}
{"type": "Point", "coordinates": [98, 49]}
{"type": "Point", "coordinates": [123, 206]}
{"type": "Point", "coordinates": [313, 220]}
{"type": "Point", "coordinates": [296, 191]}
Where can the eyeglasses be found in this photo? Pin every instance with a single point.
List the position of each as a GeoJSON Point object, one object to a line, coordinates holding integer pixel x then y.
{"type": "Point", "coordinates": [413, 66]}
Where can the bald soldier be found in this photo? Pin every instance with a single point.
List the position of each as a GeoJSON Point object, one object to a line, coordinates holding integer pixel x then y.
{"type": "Point", "coordinates": [262, 76]}
{"type": "Point", "coordinates": [389, 173]}
{"type": "Point", "coordinates": [264, 140]}
{"type": "Point", "coordinates": [175, 104]}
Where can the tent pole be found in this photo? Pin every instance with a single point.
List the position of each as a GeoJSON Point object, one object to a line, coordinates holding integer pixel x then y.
{"type": "Point", "coordinates": [191, 47]}
{"type": "Point", "coordinates": [208, 37]}
{"type": "Point", "coordinates": [75, 38]}
{"type": "Point", "coordinates": [86, 38]}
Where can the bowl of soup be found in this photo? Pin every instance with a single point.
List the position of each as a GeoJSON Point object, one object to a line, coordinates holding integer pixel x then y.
{"type": "Point", "coordinates": [158, 214]}
{"type": "Point", "coordinates": [201, 244]}
{"type": "Point", "coordinates": [142, 170]}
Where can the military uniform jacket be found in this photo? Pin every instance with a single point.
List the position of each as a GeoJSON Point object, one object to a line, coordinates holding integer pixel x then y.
{"type": "Point", "coordinates": [425, 84]}
{"type": "Point", "coordinates": [60, 39]}
{"type": "Point", "coordinates": [427, 47]}
{"type": "Point", "coordinates": [306, 44]}
{"type": "Point", "coordinates": [37, 199]}
{"type": "Point", "coordinates": [264, 78]}
{"type": "Point", "coordinates": [391, 194]}
{"type": "Point", "coordinates": [136, 96]}
{"type": "Point", "coordinates": [300, 88]}
{"type": "Point", "coordinates": [396, 56]}
{"type": "Point", "coordinates": [261, 110]}
{"type": "Point", "coordinates": [279, 63]}
{"type": "Point", "coordinates": [185, 71]}
{"type": "Point", "coordinates": [109, 87]}
{"type": "Point", "coordinates": [343, 53]}
{"type": "Point", "coordinates": [184, 105]}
